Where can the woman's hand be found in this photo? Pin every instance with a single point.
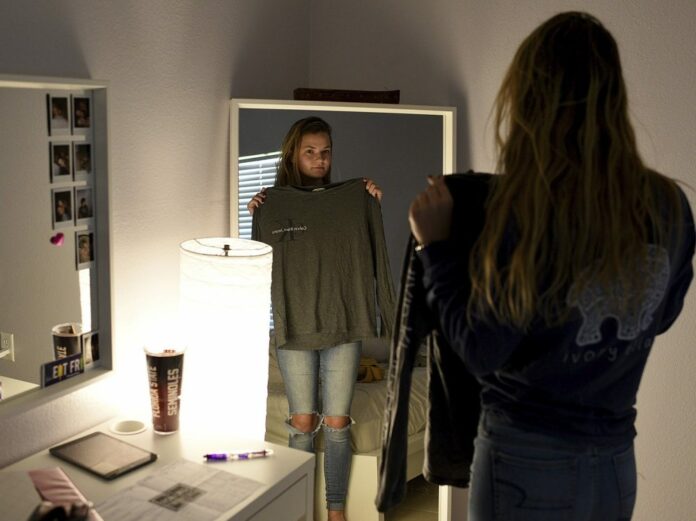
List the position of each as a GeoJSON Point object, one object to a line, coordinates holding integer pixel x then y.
{"type": "Point", "coordinates": [256, 201]}
{"type": "Point", "coordinates": [430, 213]}
{"type": "Point", "coordinates": [372, 188]}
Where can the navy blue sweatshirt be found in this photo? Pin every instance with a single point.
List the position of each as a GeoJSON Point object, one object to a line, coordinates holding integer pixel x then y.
{"type": "Point", "coordinates": [579, 380]}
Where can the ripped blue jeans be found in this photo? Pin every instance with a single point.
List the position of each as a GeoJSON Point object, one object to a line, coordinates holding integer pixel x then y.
{"type": "Point", "coordinates": [337, 369]}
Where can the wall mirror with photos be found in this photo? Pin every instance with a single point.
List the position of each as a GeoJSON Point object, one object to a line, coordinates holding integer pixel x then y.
{"type": "Point", "coordinates": [54, 231]}
{"type": "Point", "coordinates": [395, 145]}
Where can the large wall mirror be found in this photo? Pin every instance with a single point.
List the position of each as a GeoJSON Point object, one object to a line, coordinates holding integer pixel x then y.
{"type": "Point", "coordinates": [54, 232]}
{"type": "Point", "coordinates": [395, 145]}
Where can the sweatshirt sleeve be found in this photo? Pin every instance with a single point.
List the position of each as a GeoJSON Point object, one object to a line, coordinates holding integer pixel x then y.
{"type": "Point", "coordinates": [683, 271]}
{"type": "Point", "coordinates": [382, 270]}
{"type": "Point", "coordinates": [483, 347]}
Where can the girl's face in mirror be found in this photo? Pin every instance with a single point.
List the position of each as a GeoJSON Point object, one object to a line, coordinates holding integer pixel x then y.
{"type": "Point", "coordinates": [314, 156]}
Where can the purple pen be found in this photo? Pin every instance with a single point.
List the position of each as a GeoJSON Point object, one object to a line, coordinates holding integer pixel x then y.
{"type": "Point", "coordinates": [234, 456]}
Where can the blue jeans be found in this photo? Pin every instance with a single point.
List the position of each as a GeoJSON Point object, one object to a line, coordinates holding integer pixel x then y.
{"type": "Point", "coordinates": [337, 369]}
{"type": "Point", "coordinates": [521, 476]}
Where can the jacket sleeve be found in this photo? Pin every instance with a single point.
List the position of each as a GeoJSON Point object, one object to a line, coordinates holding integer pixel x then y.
{"type": "Point", "coordinates": [410, 330]}
{"type": "Point", "coordinates": [483, 347]}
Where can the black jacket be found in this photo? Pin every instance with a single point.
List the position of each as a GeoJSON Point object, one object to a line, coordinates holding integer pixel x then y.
{"type": "Point", "coordinates": [453, 392]}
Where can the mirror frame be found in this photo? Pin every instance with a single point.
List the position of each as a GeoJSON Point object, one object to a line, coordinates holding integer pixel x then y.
{"type": "Point", "coordinates": [449, 162]}
{"type": "Point", "coordinates": [42, 395]}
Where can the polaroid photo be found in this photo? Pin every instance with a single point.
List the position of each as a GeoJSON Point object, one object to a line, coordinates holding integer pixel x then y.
{"type": "Point", "coordinates": [84, 204]}
{"type": "Point", "coordinates": [62, 207]}
{"type": "Point", "coordinates": [82, 161]}
{"type": "Point", "coordinates": [90, 349]}
{"type": "Point", "coordinates": [61, 161]}
{"type": "Point", "coordinates": [58, 115]}
{"type": "Point", "coordinates": [81, 114]}
{"type": "Point", "coordinates": [85, 250]}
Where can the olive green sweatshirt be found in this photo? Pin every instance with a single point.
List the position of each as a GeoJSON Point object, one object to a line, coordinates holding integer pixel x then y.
{"type": "Point", "coordinates": [330, 264]}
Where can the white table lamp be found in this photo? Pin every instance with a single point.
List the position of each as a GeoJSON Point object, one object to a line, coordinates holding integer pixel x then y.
{"type": "Point", "coordinates": [225, 299]}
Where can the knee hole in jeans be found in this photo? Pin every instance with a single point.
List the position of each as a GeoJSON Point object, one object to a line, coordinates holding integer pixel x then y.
{"type": "Point", "coordinates": [337, 423]}
{"type": "Point", "coordinates": [304, 422]}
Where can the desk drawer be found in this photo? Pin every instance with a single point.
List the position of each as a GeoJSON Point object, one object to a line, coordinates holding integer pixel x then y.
{"type": "Point", "coordinates": [290, 505]}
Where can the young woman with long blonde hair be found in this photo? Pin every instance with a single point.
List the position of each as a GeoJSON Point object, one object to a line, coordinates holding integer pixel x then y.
{"type": "Point", "coordinates": [318, 356]}
{"type": "Point", "coordinates": [585, 256]}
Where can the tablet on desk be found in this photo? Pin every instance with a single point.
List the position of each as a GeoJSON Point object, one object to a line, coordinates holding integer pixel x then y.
{"type": "Point", "coordinates": [103, 455]}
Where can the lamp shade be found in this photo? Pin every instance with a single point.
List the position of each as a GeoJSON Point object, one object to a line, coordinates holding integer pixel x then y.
{"type": "Point", "coordinates": [225, 299]}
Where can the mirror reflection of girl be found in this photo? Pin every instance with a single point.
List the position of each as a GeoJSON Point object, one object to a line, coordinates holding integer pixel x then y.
{"type": "Point", "coordinates": [306, 161]}
{"type": "Point", "coordinates": [585, 257]}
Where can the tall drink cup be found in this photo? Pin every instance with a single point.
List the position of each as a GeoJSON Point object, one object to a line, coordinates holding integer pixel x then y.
{"type": "Point", "coordinates": [164, 370]}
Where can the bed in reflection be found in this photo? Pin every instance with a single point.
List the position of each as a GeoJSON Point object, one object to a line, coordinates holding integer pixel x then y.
{"type": "Point", "coordinates": [369, 404]}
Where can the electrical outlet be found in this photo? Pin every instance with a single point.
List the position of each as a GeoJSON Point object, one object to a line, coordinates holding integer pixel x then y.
{"type": "Point", "coordinates": [7, 345]}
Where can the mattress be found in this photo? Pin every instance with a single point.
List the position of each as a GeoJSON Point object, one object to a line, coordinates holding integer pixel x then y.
{"type": "Point", "coordinates": [367, 410]}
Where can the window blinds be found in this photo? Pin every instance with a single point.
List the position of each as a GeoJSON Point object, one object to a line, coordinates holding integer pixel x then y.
{"type": "Point", "coordinates": [255, 172]}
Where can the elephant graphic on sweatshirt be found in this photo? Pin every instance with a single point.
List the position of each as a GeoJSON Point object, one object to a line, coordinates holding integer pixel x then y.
{"type": "Point", "coordinates": [596, 305]}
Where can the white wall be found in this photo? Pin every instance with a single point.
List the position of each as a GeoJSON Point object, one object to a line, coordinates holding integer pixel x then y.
{"type": "Point", "coordinates": [454, 52]}
{"type": "Point", "coordinates": [172, 66]}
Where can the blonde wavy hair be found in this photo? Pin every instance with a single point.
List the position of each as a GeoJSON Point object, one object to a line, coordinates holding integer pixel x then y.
{"type": "Point", "coordinates": [288, 173]}
{"type": "Point", "coordinates": [575, 203]}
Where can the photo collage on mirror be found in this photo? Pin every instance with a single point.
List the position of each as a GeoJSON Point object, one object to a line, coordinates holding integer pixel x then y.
{"type": "Point", "coordinates": [71, 170]}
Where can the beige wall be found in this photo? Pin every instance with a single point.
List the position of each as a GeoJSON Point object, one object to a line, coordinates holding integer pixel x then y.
{"type": "Point", "coordinates": [172, 65]}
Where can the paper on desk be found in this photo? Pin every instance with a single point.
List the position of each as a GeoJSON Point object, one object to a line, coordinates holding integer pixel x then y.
{"type": "Point", "coordinates": [180, 491]}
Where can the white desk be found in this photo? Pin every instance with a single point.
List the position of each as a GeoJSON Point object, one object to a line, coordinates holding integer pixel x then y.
{"type": "Point", "coordinates": [287, 475]}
